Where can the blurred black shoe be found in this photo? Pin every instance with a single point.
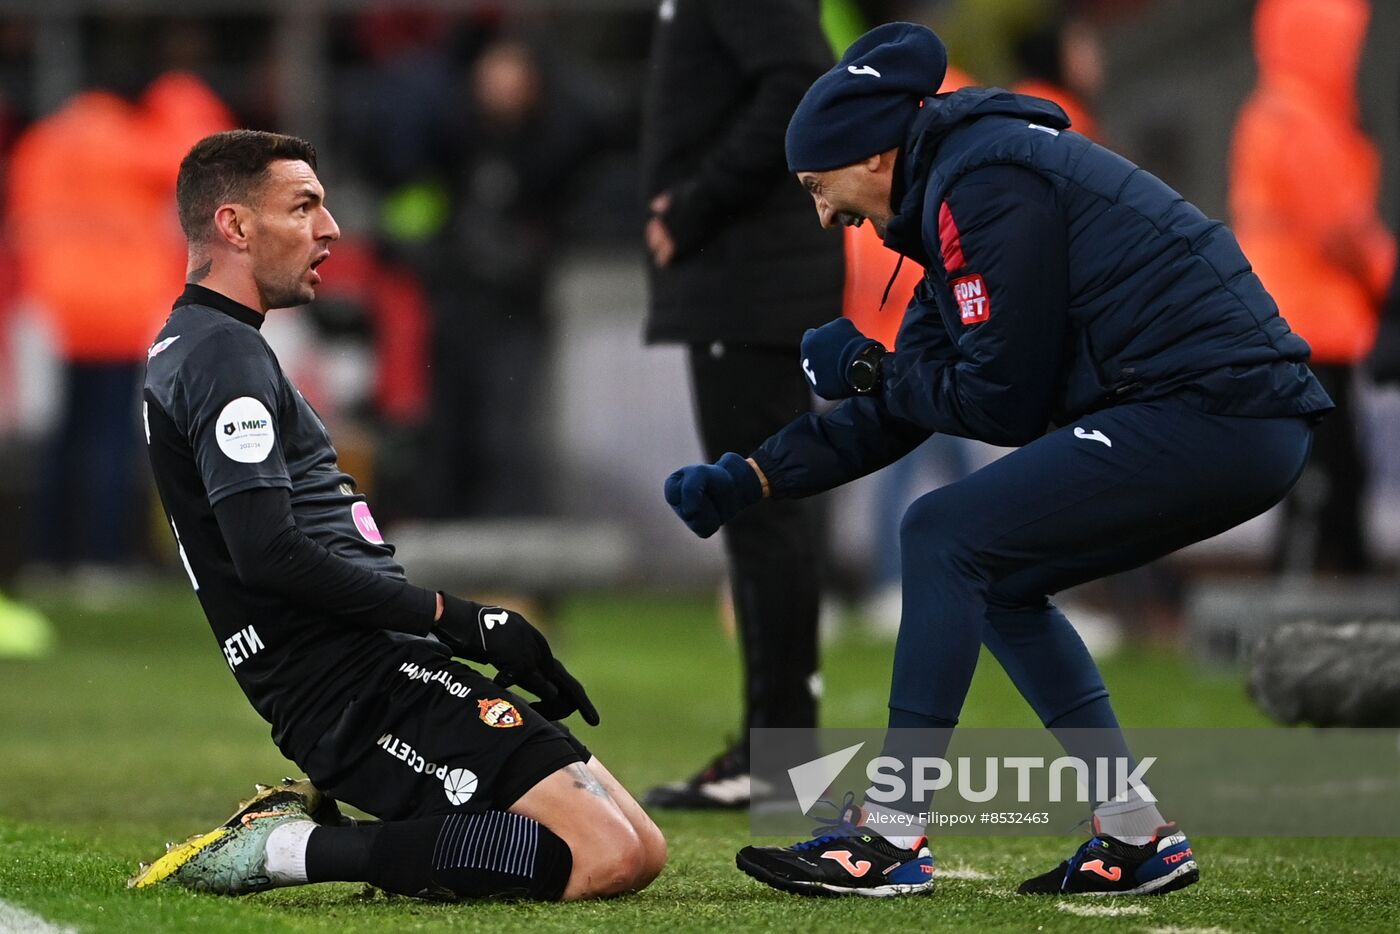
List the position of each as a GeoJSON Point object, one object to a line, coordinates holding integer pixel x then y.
{"type": "Point", "coordinates": [724, 784]}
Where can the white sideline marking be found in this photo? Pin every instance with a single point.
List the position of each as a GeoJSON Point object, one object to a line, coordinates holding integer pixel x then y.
{"type": "Point", "coordinates": [1176, 930]}
{"type": "Point", "coordinates": [972, 875]}
{"type": "Point", "coordinates": [1101, 911]}
{"type": "Point", "coordinates": [15, 920]}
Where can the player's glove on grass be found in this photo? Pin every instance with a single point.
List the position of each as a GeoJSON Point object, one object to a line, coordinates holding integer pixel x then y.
{"type": "Point", "coordinates": [828, 353]}
{"type": "Point", "coordinates": [706, 496]}
{"type": "Point", "coordinates": [519, 651]}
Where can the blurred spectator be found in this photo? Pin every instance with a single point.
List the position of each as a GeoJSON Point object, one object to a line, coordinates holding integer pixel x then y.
{"type": "Point", "coordinates": [739, 268]}
{"type": "Point", "coordinates": [524, 137]}
{"type": "Point", "coordinates": [1304, 187]}
{"type": "Point", "coordinates": [394, 113]}
{"type": "Point", "coordinates": [1062, 61]}
{"type": "Point", "coordinates": [91, 200]}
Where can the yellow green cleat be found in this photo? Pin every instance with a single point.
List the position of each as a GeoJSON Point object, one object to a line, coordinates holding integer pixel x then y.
{"type": "Point", "coordinates": [231, 859]}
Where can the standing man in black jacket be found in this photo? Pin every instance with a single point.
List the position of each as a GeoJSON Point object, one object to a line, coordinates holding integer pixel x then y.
{"type": "Point", "coordinates": [737, 273]}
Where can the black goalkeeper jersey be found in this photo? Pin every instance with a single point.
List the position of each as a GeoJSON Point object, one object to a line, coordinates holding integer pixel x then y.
{"type": "Point", "coordinates": [222, 419]}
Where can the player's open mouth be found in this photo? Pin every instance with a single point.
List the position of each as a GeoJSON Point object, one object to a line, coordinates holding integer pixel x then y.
{"type": "Point", "coordinates": [847, 219]}
{"type": "Point", "coordinates": [316, 262]}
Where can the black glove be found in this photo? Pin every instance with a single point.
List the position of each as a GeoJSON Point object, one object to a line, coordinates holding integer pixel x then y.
{"type": "Point", "coordinates": [519, 651]}
{"type": "Point", "coordinates": [706, 496]}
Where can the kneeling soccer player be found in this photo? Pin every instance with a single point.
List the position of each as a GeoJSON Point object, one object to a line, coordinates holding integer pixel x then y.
{"type": "Point", "coordinates": [479, 793]}
{"type": "Point", "coordinates": [1064, 286]}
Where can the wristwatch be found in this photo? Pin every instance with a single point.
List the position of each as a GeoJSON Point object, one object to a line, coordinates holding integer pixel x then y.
{"type": "Point", "coordinates": [864, 372]}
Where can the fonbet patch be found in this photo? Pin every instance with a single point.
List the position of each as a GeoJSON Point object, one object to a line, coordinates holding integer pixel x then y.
{"type": "Point", "coordinates": [244, 430]}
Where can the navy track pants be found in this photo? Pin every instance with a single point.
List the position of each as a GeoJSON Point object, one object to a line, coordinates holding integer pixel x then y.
{"type": "Point", "coordinates": [1112, 491]}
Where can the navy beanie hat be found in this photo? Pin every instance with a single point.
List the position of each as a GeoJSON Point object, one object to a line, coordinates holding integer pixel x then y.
{"type": "Point", "coordinates": [865, 103]}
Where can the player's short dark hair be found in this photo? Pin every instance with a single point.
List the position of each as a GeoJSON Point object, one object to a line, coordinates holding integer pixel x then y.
{"type": "Point", "coordinates": [229, 167]}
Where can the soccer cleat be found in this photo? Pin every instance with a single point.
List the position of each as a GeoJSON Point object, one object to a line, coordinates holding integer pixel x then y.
{"type": "Point", "coordinates": [846, 859]}
{"type": "Point", "coordinates": [1108, 866]}
{"type": "Point", "coordinates": [231, 859]}
{"type": "Point", "coordinates": [723, 784]}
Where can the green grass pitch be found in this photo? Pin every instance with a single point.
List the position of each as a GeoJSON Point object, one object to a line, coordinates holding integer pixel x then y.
{"type": "Point", "coordinates": [134, 734]}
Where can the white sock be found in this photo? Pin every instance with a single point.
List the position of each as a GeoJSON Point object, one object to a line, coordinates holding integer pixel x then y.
{"type": "Point", "coordinates": [1131, 819]}
{"type": "Point", "coordinates": [286, 852]}
{"type": "Point", "coordinates": [901, 828]}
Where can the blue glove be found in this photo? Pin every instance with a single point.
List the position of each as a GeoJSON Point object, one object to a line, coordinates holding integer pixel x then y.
{"type": "Point", "coordinates": [706, 496]}
{"type": "Point", "coordinates": [827, 355]}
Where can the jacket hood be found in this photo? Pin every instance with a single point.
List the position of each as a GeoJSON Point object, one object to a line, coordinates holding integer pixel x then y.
{"type": "Point", "coordinates": [938, 117]}
{"type": "Point", "coordinates": [1312, 46]}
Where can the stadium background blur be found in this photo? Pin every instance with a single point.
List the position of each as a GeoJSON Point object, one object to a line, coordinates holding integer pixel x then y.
{"type": "Point", "coordinates": [477, 355]}
{"type": "Point", "coordinates": [477, 351]}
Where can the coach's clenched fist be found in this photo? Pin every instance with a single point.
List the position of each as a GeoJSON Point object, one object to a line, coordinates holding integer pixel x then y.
{"type": "Point", "coordinates": [706, 496]}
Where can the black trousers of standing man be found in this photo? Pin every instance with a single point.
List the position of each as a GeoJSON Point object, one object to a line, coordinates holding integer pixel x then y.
{"type": "Point", "coordinates": [743, 393]}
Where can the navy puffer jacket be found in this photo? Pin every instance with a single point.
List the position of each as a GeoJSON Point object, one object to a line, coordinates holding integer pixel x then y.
{"type": "Point", "coordinates": [1061, 279]}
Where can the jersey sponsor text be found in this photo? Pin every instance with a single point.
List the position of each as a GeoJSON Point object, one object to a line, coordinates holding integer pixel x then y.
{"type": "Point", "coordinates": [241, 646]}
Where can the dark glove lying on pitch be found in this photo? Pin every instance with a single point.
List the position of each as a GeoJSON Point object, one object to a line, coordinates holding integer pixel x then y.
{"type": "Point", "coordinates": [706, 496]}
{"type": "Point", "coordinates": [519, 651]}
{"type": "Point", "coordinates": [828, 353]}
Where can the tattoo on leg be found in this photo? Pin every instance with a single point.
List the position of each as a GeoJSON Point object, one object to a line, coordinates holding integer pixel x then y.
{"type": "Point", "coordinates": [584, 780]}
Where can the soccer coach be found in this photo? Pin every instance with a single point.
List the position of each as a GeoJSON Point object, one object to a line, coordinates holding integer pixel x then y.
{"type": "Point", "coordinates": [1065, 287]}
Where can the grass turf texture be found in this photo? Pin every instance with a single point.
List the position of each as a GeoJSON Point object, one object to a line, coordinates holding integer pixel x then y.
{"type": "Point", "coordinates": [134, 733]}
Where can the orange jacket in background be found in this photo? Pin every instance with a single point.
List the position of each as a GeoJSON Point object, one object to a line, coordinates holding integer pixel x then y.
{"type": "Point", "coordinates": [869, 265]}
{"type": "Point", "coordinates": [1304, 179]}
{"type": "Point", "coordinates": [92, 213]}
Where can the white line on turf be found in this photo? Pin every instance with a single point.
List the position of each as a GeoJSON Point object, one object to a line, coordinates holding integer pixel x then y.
{"type": "Point", "coordinates": [15, 920]}
{"type": "Point", "coordinates": [974, 875]}
{"type": "Point", "coordinates": [1101, 911]}
{"type": "Point", "coordinates": [1176, 930]}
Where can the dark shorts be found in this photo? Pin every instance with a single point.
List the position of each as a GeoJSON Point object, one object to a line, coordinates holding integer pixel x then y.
{"type": "Point", "coordinates": [437, 736]}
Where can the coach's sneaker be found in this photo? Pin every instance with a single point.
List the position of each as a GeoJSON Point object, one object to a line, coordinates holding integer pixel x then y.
{"type": "Point", "coordinates": [724, 784]}
{"type": "Point", "coordinates": [232, 858]}
{"type": "Point", "coordinates": [847, 859]}
{"type": "Point", "coordinates": [864, 864]}
{"type": "Point", "coordinates": [1107, 866]}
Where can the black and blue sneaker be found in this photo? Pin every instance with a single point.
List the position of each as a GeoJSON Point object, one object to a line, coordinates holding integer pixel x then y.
{"type": "Point", "coordinates": [843, 859]}
{"type": "Point", "coordinates": [1108, 866]}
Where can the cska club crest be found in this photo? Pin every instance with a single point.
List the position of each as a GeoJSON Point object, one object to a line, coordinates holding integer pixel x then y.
{"type": "Point", "coordinates": [499, 713]}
